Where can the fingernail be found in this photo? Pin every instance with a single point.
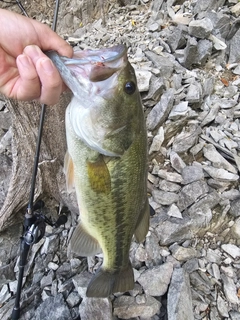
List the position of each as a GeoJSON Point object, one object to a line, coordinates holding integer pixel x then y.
{"type": "Point", "coordinates": [24, 60]}
{"type": "Point", "coordinates": [32, 51]}
{"type": "Point", "coordinates": [47, 65]}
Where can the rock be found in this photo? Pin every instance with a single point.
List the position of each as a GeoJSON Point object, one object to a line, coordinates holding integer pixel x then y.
{"type": "Point", "coordinates": [47, 280]}
{"type": "Point", "coordinates": [211, 115]}
{"type": "Point", "coordinates": [192, 173]}
{"type": "Point", "coordinates": [185, 140]}
{"type": "Point", "coordinates": [179, 110]}
{"type": "Point", "coordinates": [175, 38]}
{"type": "Point", "coordinates": [157, 141]}
{"type": "Point", "coordinates": [163, 63]}
{"type": "Point", "coordinates": [5, 141]}
{"type": "Point", "coordinates": [234, 315]}
{"type": "Point", "coordinates": [220, 174]}
{"type": "Point", "coordinates": [155, 281]}
{"type": "Point", "coordinates": [191, 265]}
{"type": "Point", "coordinates": [230, 289]}
{"type": "Point", "coordinates": [218, 161]}
{"type": "Point", "coordinates": [174, 230]}
{"type": "Point", "coordinates": [174, 212]}
{"type": "Point", "coordinates": [170, 176]}
{"type": "Point", "coordinates": [144, 306]}
{"type": "Point", "coordinates": [5, 121]}
{"type": "Point", "coordinates": [153, 250]}
{"type": "Point", "coordinates": [235, 229]}
{"type": "Point", "coordinates": [201, 282]}
{"type": "Point", "coordinates": [181, 253]}
{"type": "Point", "coordinates": [190, 193]}
{"type": "Point", "coordinates": [231, 249]}
{"type": "Point", "coordinates": [50, 245]}
{"type": "Point", "coordinates": [164, 198]}
{"type": "Point", "coordinates": [95, 309]}
{"type": "Point", "coordinates": [235, 208]}
{"type": "Point", "coordinates": [234, 53]}
{"type": "Point", "coordinates": [191, 53]}
{"type": "Point", "coordinates": [202, 5]}
{"type": "Point", "coordinates": [7, 273]}
{"type": "Point", "coordinates": [213, 256]}
{"type": "Point", "coordinates": [4, 294]}
{"type": "Point", "coordinates": [169, 186]}
{"type": "Point", "coordinates": [200, 28]}
{"type": "Point", "coordinates": [156, 89]}
{"type": "Point", "coordinates": [160, 112]}
{"type": "Point", "coordinates": [179, 305]}
{"type": "Point", "coordinates": [53, 308]}
{"type": "Point", "coordinates": [143, 79]}
{"type": "Point", "coordinates": [73, 299]}
{"type": "Point", "coordinates": [204, 51]}
{"type": "Point", "coordinates": [194, 93]}
{"type": "Point", "coordinates": [236, 9]}
{"type": "Point", "coordinates": [222, 307]}
{"type": "Point", "coordinates": [81, 282]}
{"type": "Point", "coordinates": [176, 162]}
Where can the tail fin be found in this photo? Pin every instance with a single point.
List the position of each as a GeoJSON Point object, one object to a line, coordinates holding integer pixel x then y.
{"type": "Point", "coordinates": [105, 283]}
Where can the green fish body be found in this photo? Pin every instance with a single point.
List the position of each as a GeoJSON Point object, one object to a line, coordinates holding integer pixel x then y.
{"type": "Point", "coordinates": [107, 163]}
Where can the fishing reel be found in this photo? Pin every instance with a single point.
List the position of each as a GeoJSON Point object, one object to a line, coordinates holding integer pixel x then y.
{"type": "Point", "coordinates": [35, 224]}
{"type": "Point", "coordinates": [34, 227]}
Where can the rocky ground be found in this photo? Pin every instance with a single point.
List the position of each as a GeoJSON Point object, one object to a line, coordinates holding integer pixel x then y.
{"type": "Point", "coordinates": [186, 56]}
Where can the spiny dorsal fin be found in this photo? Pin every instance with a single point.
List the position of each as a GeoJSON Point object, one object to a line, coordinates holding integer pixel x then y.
{"type": "Point", "coordinates": [69, 172]}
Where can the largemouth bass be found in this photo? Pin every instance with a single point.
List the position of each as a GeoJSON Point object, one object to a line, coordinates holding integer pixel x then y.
{"type": "Point", "coordinates": [106, 162]}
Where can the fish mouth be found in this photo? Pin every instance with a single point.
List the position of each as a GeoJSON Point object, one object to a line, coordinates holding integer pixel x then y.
{"type": "Point", "coordinates": [104, 55]}
{"type": "Point", "coordinates": [85, 73]}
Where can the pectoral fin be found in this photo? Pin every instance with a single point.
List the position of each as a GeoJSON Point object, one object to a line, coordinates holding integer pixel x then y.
{"type": "Point", "coordinates": [69, 171]}
{"type": "Point", "coordinates": [99, 176]}
{"type": "Point", "coordinates": [82, 243]}
{"type": "Point", "coordinates": [143, 223]}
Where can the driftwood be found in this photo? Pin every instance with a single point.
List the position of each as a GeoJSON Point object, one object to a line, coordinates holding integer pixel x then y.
{"type": "Point", "coordinates": [50, 180]}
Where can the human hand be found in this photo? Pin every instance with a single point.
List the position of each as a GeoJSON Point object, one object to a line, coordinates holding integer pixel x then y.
{"type": "Point", "coordinates": [26, 73]}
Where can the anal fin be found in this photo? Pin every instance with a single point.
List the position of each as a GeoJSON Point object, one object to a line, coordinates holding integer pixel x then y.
{"type": "Point", "coordinates": [142, 226]}
{"type": "Point", "coordinates": [82, 243]}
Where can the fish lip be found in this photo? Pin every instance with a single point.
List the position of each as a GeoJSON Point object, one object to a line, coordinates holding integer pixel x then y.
{"type": "Point", "coordinates": [104, 55]}
{"type": "Point", "coordinates": [107, 56]}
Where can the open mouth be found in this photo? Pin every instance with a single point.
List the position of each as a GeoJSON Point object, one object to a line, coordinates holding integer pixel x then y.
{"type": "Point", "coordinates": [89, 66]}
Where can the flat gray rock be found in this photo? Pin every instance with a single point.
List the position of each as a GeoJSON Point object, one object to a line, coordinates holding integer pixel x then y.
{"type": "Point", "coordinates": [53, 308]}
{"type": "Point", "coordinates": [179, 304]}
{"type": "Point", "coordinates": [95, 309]}
{"type": "Point", "coordinates": [155, 281]}
{"type": "Point", "coordinates": [161, 110]}
{"type": "Point", "coordinates": [144, 306]}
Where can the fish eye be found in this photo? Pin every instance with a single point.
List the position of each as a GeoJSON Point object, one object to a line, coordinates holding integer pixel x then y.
{"type": "Point", "coordinates": [130, 87]}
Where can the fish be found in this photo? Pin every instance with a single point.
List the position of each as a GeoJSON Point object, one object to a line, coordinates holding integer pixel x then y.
{"type": "Point", "coordinates": [106, 162]}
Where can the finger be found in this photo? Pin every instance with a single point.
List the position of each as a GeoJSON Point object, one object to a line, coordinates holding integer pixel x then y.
{"type": "Point", "coordinates": [51, 81]}
{"type": "Point", "coordinates": [49, 40]}
{"type": "Point", "coordinates": [28, 86]}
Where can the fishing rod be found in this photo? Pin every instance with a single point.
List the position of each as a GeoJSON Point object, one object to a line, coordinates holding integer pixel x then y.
{"type": "Point", "coordinates": [34, 221]}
